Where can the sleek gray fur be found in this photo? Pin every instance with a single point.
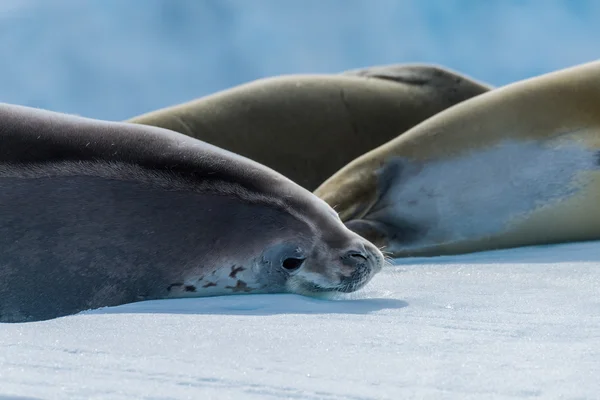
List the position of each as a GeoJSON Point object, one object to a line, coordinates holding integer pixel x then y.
{"type": "Point", "coordinates": [97, 213]}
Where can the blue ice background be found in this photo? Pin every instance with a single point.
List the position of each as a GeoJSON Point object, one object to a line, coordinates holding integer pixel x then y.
{"type": "Point", "coordinates": [113, 59]}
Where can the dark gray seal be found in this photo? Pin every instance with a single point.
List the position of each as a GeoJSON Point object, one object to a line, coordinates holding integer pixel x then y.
{"type": "Point", "coordinates": [307, 127]}
{"type": "Point", "coordinates": [96, 213]}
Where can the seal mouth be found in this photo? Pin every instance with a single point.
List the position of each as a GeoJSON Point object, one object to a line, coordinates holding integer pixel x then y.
{"type": "Point", "coordinates": [359, 280]}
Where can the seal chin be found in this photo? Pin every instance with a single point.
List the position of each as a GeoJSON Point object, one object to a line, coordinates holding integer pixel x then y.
{"type": "Point", "coordinates": [349, 287]}
{"type": "Point", "coordinates": [358, 280]}
{"type": "Point", "coordinates": [306, 286]}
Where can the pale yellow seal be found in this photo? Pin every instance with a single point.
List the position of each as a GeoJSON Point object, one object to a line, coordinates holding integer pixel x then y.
{"type": "Point", "coordinates": [308, 126]}
{"type": "Point", "coordinates": [512, 167]}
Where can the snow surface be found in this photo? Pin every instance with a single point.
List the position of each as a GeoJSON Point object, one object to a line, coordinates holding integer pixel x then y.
{"type": "Point", "coordinates": [522, 323]}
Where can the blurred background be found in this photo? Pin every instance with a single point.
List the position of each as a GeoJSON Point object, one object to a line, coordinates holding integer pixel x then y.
{"type": "Point", "coordinates": [114, 59]}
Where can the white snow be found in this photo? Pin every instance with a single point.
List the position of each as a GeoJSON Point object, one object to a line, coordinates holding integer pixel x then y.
{"type": "Point", "coordinates": [521, 323]}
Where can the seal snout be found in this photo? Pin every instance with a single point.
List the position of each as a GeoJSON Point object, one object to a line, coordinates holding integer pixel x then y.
{"type": "Point", "coordinates": [359, 263]}
{"type": "Point", "coordinates": [353, 259]}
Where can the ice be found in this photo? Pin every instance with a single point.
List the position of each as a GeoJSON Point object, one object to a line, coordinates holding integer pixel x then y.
{"type": "Point", "coordinates": [515, 323]}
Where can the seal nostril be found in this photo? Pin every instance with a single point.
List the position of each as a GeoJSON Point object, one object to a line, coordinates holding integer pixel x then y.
{"type": "Point", "coordinates": [292, 264]}
{"type": "Point", "coordinates": [358, 255]}
{"type": "Point", "coordinates": [354, 258]}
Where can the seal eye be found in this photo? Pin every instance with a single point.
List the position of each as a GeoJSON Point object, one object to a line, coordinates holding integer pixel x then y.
{"type": "Point", "coordinates": [292, 264]}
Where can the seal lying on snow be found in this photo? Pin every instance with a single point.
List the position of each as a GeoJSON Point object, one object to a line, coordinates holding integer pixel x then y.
{"type": "Point", "coordinates": [97, 213]}
{"type": "Point", "coordinates": [309, 126]}
{"type": "Point", "coordinates": [513, 167]}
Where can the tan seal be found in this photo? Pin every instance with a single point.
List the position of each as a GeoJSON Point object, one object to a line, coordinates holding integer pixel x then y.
{"type": "Point", "coordinates": [309, 126]}
{"type": "Point", "coordinates": [513, 167]}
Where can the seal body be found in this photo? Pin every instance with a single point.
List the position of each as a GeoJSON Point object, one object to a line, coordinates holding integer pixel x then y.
{"type": "Point", "coordinates": [513, 167]}
{"type": "Point", "coordinates": [309, 126]}
{"type": "Point", "coordinates": [97, 213]}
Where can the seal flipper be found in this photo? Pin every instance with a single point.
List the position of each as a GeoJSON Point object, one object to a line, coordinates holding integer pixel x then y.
{"type": "Point", "coordinates": [389, 174]}
{"type": "Point", "coordinates": [373, 224]}
{"type": "Point", "coordinates": [395, 171]}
